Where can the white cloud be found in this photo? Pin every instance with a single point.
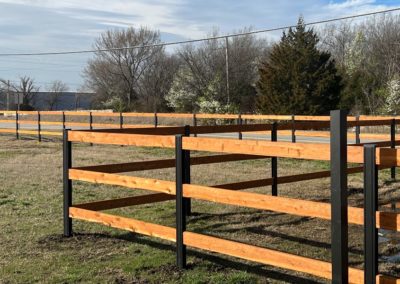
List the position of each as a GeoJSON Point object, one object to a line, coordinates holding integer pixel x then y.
{"type": "Point", "coordinates": [44, 25]}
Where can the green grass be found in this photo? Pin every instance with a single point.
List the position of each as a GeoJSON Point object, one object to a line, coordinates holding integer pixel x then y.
{"type": "Point", "coordinates": [34, 250]}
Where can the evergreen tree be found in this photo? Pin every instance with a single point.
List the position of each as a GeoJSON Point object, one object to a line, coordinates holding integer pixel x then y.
{"type": "Point", "coordinates": [297, 78]}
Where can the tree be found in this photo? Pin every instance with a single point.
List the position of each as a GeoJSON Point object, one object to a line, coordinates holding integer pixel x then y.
{"type": "Point", "coordinates": [202, 74]}
{"type": "Point", "coordinates": [55, 90]}
{"type": "Point", "coordinates": [117, 75]}
{"type": "Point", "coordinates": [297, 78]}
{"type": "Point", "coordinates": [24, 91]}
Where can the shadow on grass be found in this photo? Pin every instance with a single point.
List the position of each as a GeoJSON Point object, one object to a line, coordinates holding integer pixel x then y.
{"type": "Point", "coordinates": [257, 269]}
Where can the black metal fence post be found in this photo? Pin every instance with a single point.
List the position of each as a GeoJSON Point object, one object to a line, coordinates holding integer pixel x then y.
{"type": "Point", "coordinates": [90, 120]}
{"type": "Point", "coordinates": [63, 120]}
{"type": "Point", "coordinates": [393, 144]}
{"type": "Point", "coordinates": [194, 122]}
{"type": "Point", "coordinates": [155, 120]}
{"type": "Point", "coordinates": [293, 129]}
{"type": "Point", "coordinates": [370, 208]}
{"type": "Point", "coordinates": [240, 122]}
{"type": "Point", "coordinates": [67, 183]}
{"type": "Point", "coordinates": [39, 127]}
{"type": "Point", "coordinates": [180, 204]}
{"type": "Point", "coordinates": [90, 123]}
{"type": "Point", "coordinates": [358, 130]}
{"type": "Point", "coordinates": [121, 121]}
{"type": "Point", "coordinates": [339, 222]}
{"type": "Point", "coordinates": [274, 161]}
{"type": "Point", "coordinates": [186, 172]}
{"type": "Point", "coordinates": [17, 124]}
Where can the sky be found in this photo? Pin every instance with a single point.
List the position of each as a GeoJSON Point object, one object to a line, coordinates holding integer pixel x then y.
{"type": "Point", "coordinates": [47, 25]}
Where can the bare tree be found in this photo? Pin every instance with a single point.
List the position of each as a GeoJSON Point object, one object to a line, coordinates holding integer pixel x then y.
{"type": "Point", "coordinates": [156, 83]}
{"type": "Point", "coordinates": [55, 90]}
{"type": "Point", "coordinates": [24, 91]}
{"type": "Point", "coordinates": [118, 73]}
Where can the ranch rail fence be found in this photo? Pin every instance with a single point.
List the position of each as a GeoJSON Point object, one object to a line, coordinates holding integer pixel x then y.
{"type": "Point", "coordinates": [370, 156]}
{"type": "Point", "coordinates": [40, 122]}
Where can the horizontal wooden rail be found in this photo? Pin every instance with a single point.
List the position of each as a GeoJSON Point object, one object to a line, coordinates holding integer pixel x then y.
{"type": "Point", "coordinates": [162, 186]}
{"type": "Point", "coordinates": [124, 202]}
{"type": "Point", "coordinates": [32, 132]}
{"type": "Point", "coordinates": [227, 247]}
{"type": "Point", "coordinates": [282, 179]}
{"type": "Point", "coordinates": [266, 256]}
{"type": "Point", "coordinates": [167, 163]}
{"type": "Point", "coordinates": [129, 224]}
{"type": "Point", "coordinates": [309, 151]}
{"type": "Point", "coordinates": [122, 139]}
{"type": "Point", "coordinates": [385, 220]}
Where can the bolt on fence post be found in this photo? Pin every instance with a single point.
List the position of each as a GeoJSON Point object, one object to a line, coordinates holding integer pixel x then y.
{"type": "Point", "coordinates": [293, 129]}
{"type": "Point", "coordinates": [339, 222]}
{"type": "Point", "coordinates": [186, 172]}
{"type": "Point", "coordinates": [393, 145]}
{"type": "Point", "coordinates": [17, 124]}
{"type": "Point", "coordinates": [274, 161]}
{"type": "Point", "coordinates": [121, 121]}
{"type": "Point", "coordinates": [39, 127]}
{"type": "Point", "coordinates": [358, 130]}
{"type": "Point", "coordinates": [194, 123]}
{"type": "Point", "coordinates": [67, 183]}
{"type": "Point", "coordinates": [155, 119]}
{"type": "Point", "coordinates": [239, 122]}
{"type": "Point", "coordinates": [180, 204]}
{"type": "Point", "coordinates": [370, 208]}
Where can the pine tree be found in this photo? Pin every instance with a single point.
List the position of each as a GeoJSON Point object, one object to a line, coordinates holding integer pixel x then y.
{"type": "Point", "coordinates": [297, 78]}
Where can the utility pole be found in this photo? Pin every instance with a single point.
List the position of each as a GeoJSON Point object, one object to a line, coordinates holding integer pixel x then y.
{"type": "Point", "coordinates": [227, 69]}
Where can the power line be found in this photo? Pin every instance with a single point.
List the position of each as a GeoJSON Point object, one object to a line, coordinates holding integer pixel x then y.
{"type": "Point", "coordinates": [198, 40]}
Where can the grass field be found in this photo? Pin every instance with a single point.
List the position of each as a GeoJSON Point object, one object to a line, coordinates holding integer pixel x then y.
{"type": "Point", "coordinates": [34, 250]}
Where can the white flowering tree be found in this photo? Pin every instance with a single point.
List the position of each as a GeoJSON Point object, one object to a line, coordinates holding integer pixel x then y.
{"type": "Point", "coordinates": [393, 95]}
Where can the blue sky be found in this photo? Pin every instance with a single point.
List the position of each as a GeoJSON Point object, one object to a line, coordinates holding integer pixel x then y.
{"type": "Point", "coordinates": [46, 25]}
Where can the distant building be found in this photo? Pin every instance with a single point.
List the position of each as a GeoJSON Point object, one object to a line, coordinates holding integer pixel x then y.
{"type": "Point", "coordinates": [65, 101]}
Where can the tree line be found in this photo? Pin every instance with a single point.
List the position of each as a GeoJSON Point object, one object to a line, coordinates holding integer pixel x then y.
{"type": "Point", "coordinates": [349, 65]}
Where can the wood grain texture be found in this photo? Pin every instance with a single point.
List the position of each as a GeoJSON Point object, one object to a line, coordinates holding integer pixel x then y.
{"type": "Point", "coordinates": [125, 181]}
{"type": "Point", "coordinates": [129, 224]}
{"type": "Point", "coordinates": [121, 139]}
{"type": "Point", "coordinates": [124, 202]}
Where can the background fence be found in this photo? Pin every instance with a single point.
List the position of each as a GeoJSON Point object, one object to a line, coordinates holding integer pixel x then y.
{"type": "Point", "coordinates": [51, 123]}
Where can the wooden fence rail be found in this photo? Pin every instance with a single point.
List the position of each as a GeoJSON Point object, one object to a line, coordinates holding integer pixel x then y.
{"type": "Point", "coordinates": [370, 157]}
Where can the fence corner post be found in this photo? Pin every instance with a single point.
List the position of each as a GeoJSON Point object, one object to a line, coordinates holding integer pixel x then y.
{"type": "Point", "coordinates": [370, 208]}
{"type": "Point", "coordinates": [339, 221]}
{"type": "Point", "coordinates": [67, 183]}
{"type": "Point", "coordinates": [180, 204]}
